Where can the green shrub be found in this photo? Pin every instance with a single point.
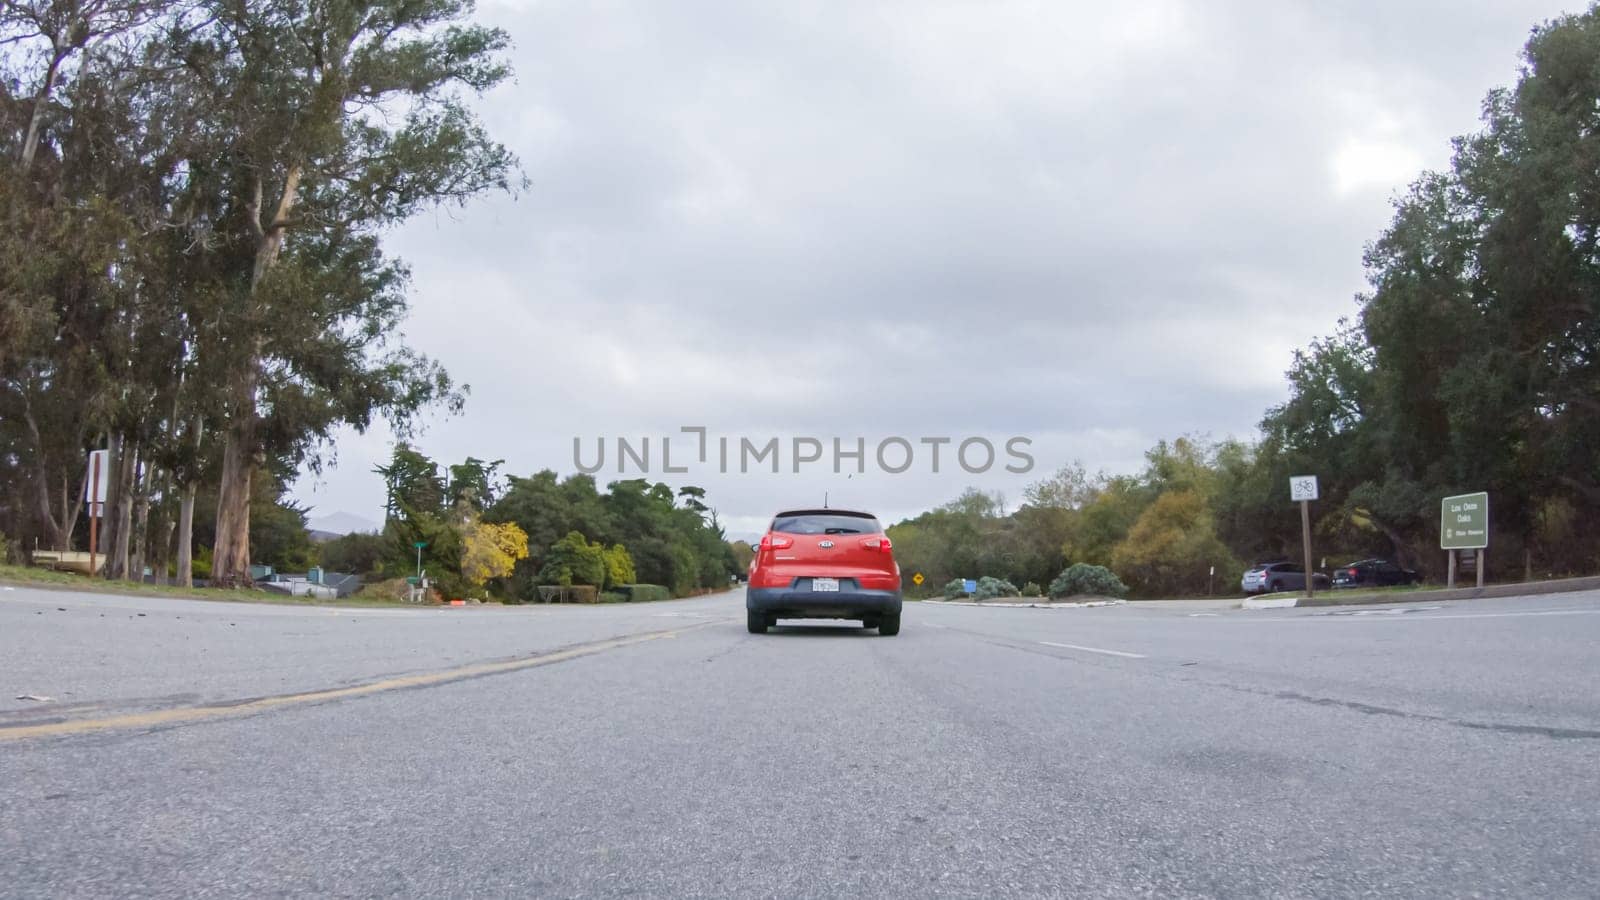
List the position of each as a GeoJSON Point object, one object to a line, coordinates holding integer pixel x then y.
{"type": "Point", "coordinates": [394, 589]}
{"type": "Point", "coordinates": [574, 560]}
{"type": "Point", "coordinates": [1082, 579]}
{"type": "Point", "coordinates": [1032, 589]}
{"type": "Point", "coordinates": [619, 567]}
{"type": "Point", "coordinates": [452, 586]}
{"type": "Point", "coordinates": [955, 588]}
{"type": "Point", "coordinates": [644, 593]}
{"type": "Point", "coordinates": [360, 553]}
{"type": "Point", "coordinates": [568, 593]}
{"type": "Point", "coordinates": [613, 597]}
{"type": "Point", "coordinates": [990, 587]}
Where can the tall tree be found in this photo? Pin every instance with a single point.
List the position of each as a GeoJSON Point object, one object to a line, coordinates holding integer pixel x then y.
{"type": "Point", "coordinates": [308, 170]}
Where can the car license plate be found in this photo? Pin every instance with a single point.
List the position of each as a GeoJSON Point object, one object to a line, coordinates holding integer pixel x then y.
{"type": "Point", "coordinates": [825, 584]}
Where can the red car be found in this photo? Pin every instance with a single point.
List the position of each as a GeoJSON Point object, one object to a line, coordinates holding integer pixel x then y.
{"type": "Point", "coordinates": [824, 564]}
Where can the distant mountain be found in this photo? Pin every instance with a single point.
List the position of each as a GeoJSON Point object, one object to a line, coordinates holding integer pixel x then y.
{"type": "Point", "coordinates": [339, 523]}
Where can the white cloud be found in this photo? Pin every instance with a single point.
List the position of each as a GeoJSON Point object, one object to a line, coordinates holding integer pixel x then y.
{"type": "Point", "coordinates": [1096, 225]}
{"type": "Point", "coordinates": [1364, 164]}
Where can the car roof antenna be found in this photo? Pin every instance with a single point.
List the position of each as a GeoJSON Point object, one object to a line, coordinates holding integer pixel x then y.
{"type": "Point", "coordinates": [824, 499]}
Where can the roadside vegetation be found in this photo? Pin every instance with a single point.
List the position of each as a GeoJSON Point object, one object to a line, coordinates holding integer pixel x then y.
{"type": "Point", "coordinates": [194, 198]}
{"type": "Point", "coordinates": [38, 577]}
{"type": "Point", "coordinates": [193, 202]}
{"type": "Point", "coordinates": [517, 539]}
{"type": "Point", "coordinates": [1472, 363]}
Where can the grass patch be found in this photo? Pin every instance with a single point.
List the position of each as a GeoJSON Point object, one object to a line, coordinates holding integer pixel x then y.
{"type": "Point", "coordinates": [49, 578]}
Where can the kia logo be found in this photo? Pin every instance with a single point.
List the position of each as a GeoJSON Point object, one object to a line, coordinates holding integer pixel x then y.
{"type": "Point", "coordinates": [826, 545]}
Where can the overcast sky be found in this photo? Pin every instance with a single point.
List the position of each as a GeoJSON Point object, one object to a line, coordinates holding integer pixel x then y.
{"type": "Point", "coordinates": [1091, 225]}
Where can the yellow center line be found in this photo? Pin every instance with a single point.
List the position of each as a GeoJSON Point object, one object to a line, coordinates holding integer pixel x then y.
{"type": "Point", "coordinates": [191, 714]}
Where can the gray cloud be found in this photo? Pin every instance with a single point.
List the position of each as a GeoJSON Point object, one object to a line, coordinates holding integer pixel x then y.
{"type": "Point", "coordinates": [1095, 226]}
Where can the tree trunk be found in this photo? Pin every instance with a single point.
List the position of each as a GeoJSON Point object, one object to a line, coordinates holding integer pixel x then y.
{"type": "Point", "coordinates": [127, 469]}
{"type": "Point", "coordinates": [1403, 553]}
{"type": "Point", "coordinates": [230, 558]}
{"type": "Point", "coordinates": [184, 576]}
{"type": "Point", "coordinates": [126, 473]}
{"type": "Point", "coordinates": [141, 524]}
{"type": "Point", "coordinates": [59, 539]}
{"type": "Point", "coordinates": [109, 513]}
{"type": "Point", "coordinates": [59, 526]}
{"type": "Point", "coordinates": [30, 144]}
{"type": "Point", "coordinates": [161, 532]}
{"type": "Point", "coordinates": [230, 561]}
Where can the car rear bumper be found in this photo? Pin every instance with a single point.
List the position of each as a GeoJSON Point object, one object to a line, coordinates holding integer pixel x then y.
{"type": "Point", "coordinates": [801, 603]}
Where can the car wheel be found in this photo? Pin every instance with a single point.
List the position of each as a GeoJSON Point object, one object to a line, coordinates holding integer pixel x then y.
{"type": "Point", "coordinates": [888, 625]}
{"type": "Point", "coordinates": [1274, 587]}
{"type": "Point", "coordinates": [755, 622]}
{"type": "Point", "coordinates": [869, 623]}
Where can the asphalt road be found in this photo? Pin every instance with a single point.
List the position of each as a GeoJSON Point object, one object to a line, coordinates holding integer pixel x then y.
{"type": "Point", "coordinates": [659, 750]}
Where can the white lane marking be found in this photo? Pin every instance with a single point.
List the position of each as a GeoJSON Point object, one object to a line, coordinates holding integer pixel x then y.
{"type": "Point", "coordinates": [1204, 615]}
{"type": "Point", "coordinates": [1512, 615]}
{"type": "Point", "coordinates": [1094, 650]}
{"type": "Point", "coordinates": [1397, 611]}
{"type": "Point", "coordinates": [1508, 615]}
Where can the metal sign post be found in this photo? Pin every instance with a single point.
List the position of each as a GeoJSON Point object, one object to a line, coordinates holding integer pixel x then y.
{"type": "Point", "coordinates": [1304, 489]}
{"type": "Point", "coordinates": [1464, 525]}
{"type": "Point", "coordinates": [94, 520]}
{"type": "Point", "coordinates": [416, 592]}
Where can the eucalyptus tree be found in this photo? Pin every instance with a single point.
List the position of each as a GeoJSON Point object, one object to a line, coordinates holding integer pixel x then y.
{"type": "Point", "coordinates": [329, 120]}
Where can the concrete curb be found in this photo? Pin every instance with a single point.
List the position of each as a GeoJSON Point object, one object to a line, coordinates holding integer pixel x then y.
{"type": "Point", "coordinates": [1558, 586]}
{"type": "Point", "coordinates": [1080, 605]}
{"type": "Point", "coordinates": [1270, 602]}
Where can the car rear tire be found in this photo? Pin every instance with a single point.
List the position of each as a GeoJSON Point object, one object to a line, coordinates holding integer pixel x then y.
{"type": "Point", "coordinates": [1274, 587]}
{"type": "Point", "coordinates": [755, 623]}
{"type": "Point", "coordinates": [889, 626]}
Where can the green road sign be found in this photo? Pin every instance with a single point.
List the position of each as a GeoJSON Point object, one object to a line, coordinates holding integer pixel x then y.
{"type": "Point", "coordinates": [1464, 522]}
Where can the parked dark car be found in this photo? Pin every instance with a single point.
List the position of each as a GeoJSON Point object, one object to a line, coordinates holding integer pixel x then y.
{"type": "Point", "coordinates": [1266, 578]}
{"type": "Point", "coordinates": [1372, 573]}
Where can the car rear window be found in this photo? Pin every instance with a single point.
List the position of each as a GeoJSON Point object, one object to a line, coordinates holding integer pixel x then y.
{"type": "Point", "coordinates": [825, 523]}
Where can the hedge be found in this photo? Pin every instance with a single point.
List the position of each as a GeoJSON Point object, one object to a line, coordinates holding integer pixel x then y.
{"type": "Point", "coordinates": [644, 593]}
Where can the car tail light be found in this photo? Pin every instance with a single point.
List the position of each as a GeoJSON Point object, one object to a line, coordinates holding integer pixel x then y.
{"type": "Point", "coordinates": [1353, 573]}
{"type": "Point", "coordinates": [776, 542]}
{"type": "Point", "coordinates": [882, 545]}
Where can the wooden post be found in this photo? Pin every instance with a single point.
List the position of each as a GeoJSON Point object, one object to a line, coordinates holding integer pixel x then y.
{"type": "Point", "coordinates": [1480, 567]}
{"type": "Point", "coordinates": [1305, 527]}
{"type": "Point", "coordinates": [1451, 581]}
{"type": "Point", "coordinates": [94, 496]}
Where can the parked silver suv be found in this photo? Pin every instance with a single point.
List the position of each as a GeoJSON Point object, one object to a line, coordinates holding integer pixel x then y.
{"type": "Point", "coordinates": [1267, 578]}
